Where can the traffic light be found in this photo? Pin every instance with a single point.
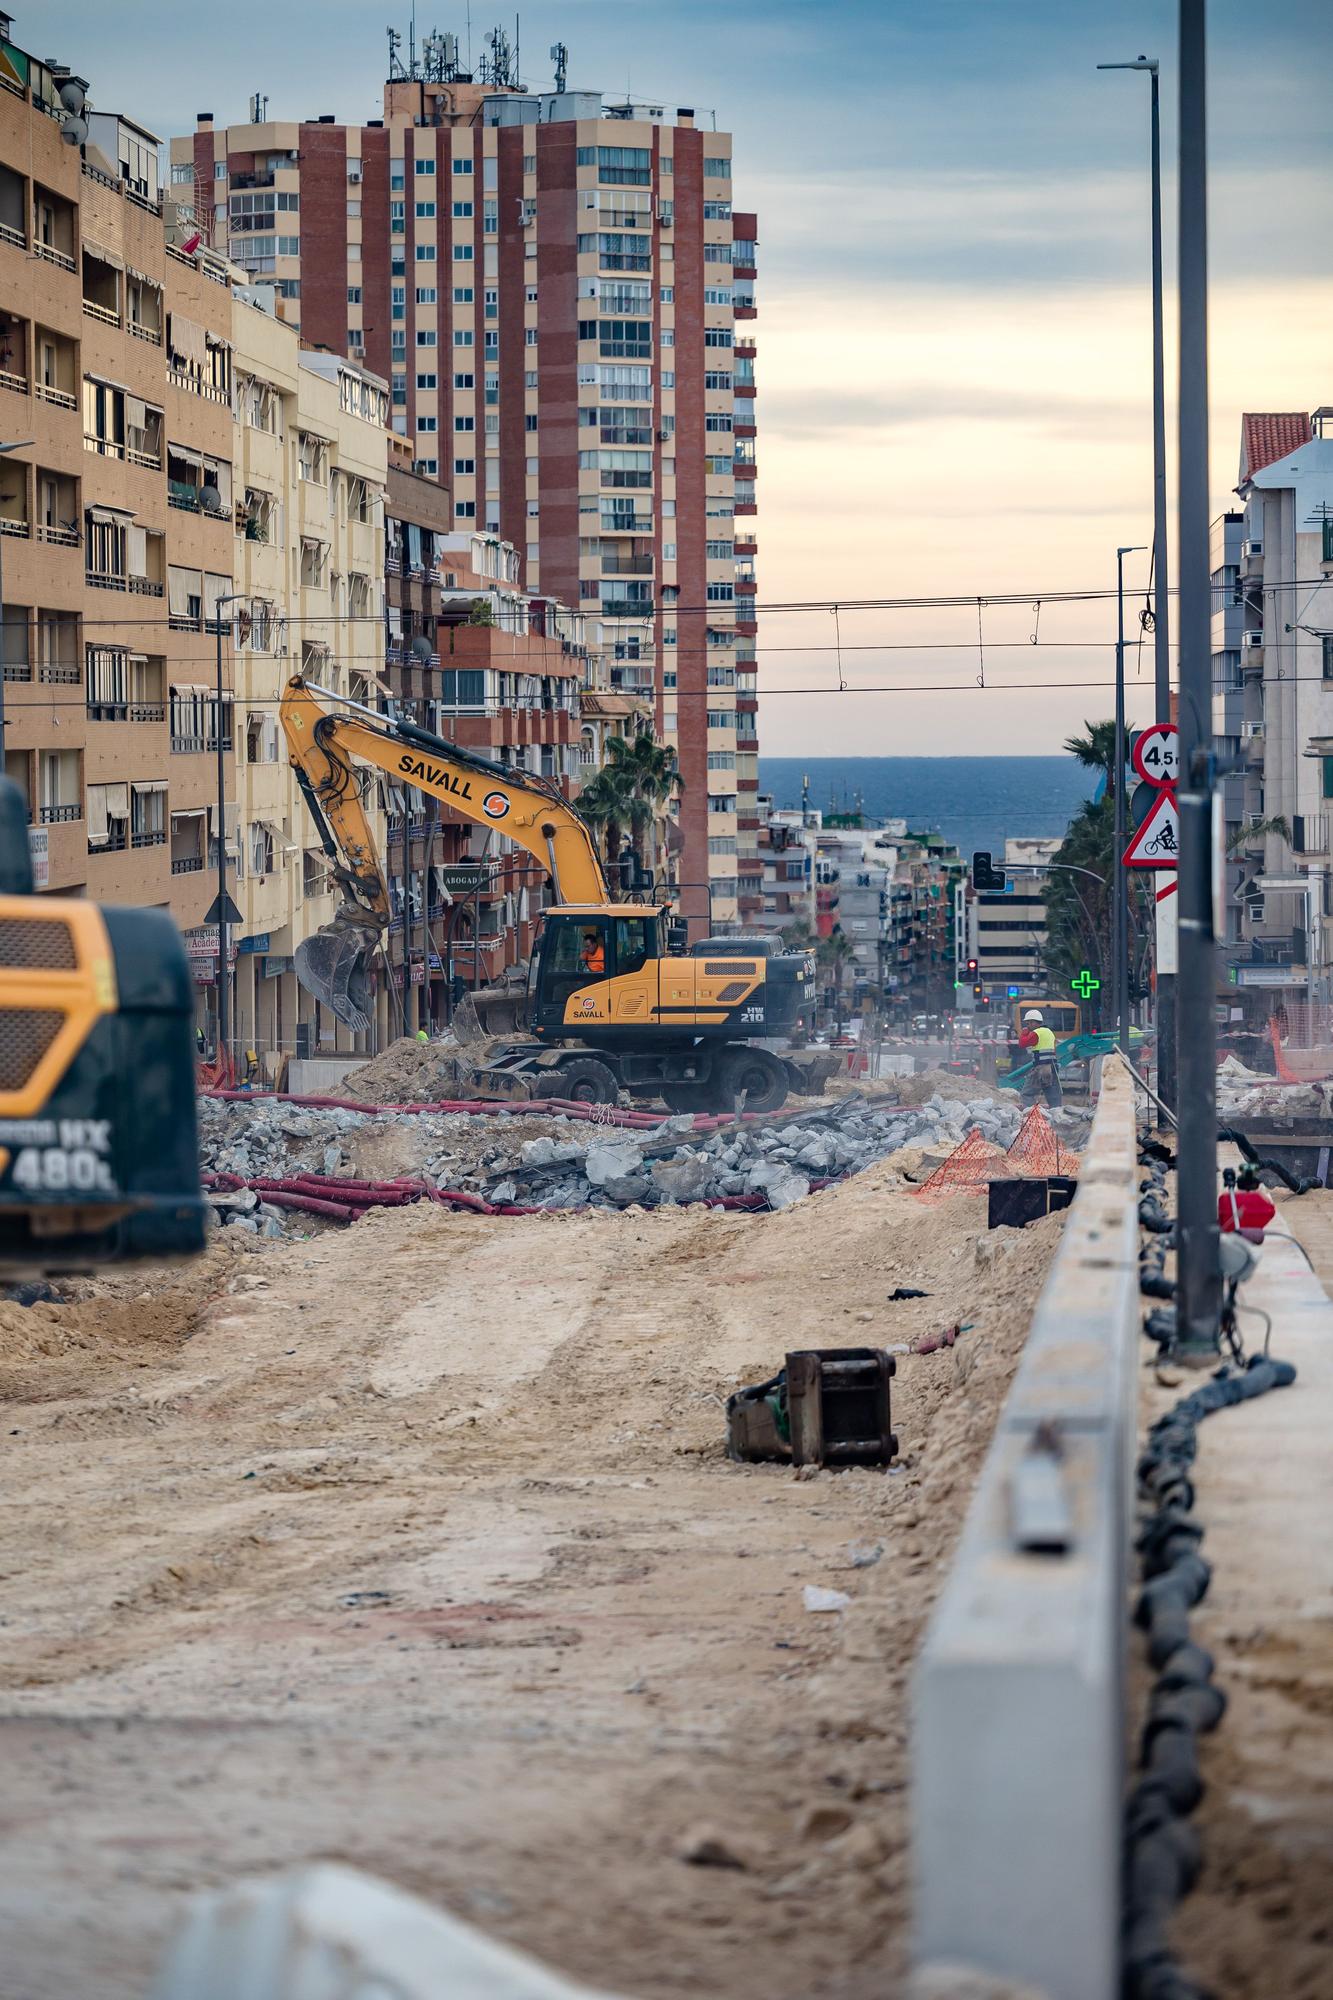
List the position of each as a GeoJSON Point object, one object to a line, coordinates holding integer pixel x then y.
{"type": "Point", "coordinates": [971, 968]}
{"type": "Point", "coordinates": [979, 992]}
{"type": "Point", "coordinates": [985, 875]}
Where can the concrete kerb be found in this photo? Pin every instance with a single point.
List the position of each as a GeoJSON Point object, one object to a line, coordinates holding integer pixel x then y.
{"type": "Point", "coordinates": [1018, 1696]}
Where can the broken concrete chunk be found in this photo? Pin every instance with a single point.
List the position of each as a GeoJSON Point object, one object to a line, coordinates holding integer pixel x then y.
{"type": "Point", "coordinates": [606, 1163]}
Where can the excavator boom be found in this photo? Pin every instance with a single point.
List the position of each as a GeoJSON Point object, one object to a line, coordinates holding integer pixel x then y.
{"type": "Point", "coordinates": [334, 964]}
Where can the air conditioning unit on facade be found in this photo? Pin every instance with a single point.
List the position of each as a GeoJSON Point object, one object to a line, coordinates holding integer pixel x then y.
{"type": "Point", "coordinates": [1251, 642]}
{"type": "Point", "coordinates": [1252, 551]}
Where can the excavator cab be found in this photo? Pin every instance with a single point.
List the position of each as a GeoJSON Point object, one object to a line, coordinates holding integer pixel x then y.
{"type": "Point", "coordinates": [580, 951]}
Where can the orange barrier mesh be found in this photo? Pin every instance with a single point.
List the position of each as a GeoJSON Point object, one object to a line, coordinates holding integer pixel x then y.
{"type": "Point", "coordinates": [967, 1170]}
{"type": "Point", "coordinates": [1037, 1152]}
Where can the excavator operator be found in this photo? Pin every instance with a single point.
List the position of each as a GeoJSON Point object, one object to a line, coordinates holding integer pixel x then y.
{"type": "Point", "coordinates": [592, 958]}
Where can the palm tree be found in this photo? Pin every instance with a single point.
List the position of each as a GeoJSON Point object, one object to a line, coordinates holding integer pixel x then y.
{"type": "Point", "coordinates": [648, 772]}
{"type": "Point", "coordinates": [604, 803]}
{"type": "Point", "coordinates": [1248, 835]}
{"type": "Point", "coordinates": [836, 952]}
{"type": "Point", "coordinates": [1096, 750]}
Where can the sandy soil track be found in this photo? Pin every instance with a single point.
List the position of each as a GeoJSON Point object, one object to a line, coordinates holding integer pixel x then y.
{"type": "Point", "coordinates": [415, 1545]}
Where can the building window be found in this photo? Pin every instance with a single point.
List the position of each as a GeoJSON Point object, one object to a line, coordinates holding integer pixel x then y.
{"type": "Point", "coordinates": [425, 253]}
{"type": "Point", "coordinates": [464, 381]}
{"type": "Point", "coordinates": [462, 166]}
{"type": "Point", "coordinates": [1328, 657]}
{"type": "Point", "coordinates": [422, 167]}
{"type": "Point", "coordinates": [465, 424]}
{"type": "Point", "coordinates": [718, 169]}
{"type": "Point", "coordinates": [427, 381]}
{"type": "Point", "coordinates": [529, 336]}
{"type": "Point", "coordinates": [465, 510]}
{"type": "Point", "coordinates": [354, 295]}
{"type": "Point", "coordinates": [426, 336]}
{"type": "Point", "coordinates": [425, 209]}
{"type": "Point", "coordinates": [667, 294]}
{"type": "Point", "coordinates": [464, 337]}
{"type": "Point", "coordinates": [425, 295]}
{"type": "Point", "coordinates": [464, 468]}
{"type": "Point", "coordinates": [428, 423]}
{"type": "Point", "coordinates": [462, 208]}
{"type": "Point", "coordinates": [430, 465]}
{"type": "Point", "coordinates": [463, 253]}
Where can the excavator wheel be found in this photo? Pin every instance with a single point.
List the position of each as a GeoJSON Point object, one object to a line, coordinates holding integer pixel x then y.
{"type": "Point", "coordinates": [586, 1081]}
{"type": "Point", "coordinates": [756, 1072]}
{"type": "Point", "coordinates": [682, 1097]}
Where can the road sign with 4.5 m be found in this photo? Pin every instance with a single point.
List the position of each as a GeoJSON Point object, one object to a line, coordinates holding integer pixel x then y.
{"type": "Point", "coordinates": [1156, 754]}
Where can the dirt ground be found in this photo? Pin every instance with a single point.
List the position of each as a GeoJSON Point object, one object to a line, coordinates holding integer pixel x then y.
{"type": "Point", "coordinates": [415, 1546]}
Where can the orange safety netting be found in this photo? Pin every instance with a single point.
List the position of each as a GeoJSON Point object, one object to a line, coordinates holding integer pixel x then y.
{"type": "Point", "coordinates": [967, 1170]}
{"type": "Point", "coordinates": [1035, 1154]}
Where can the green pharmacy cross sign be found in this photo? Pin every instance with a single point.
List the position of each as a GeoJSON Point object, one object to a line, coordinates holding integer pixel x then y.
{"type": "Point", "coordinates": [1085, 983]}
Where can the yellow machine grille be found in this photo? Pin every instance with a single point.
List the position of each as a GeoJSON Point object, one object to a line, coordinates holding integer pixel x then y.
{"type": "Point", "coordinates": [26, 1033]}
{"type": "Point", "coordinates": [34, 945]}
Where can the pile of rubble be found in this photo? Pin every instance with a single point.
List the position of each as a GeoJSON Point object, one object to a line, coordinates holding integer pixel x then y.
{"type": "Point", "coordinates": [1246, 1093]}
{"type": "Point", "coordinates": [540, 1160]}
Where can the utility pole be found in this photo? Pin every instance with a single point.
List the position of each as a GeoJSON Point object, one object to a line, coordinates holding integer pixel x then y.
{"type": "Point", "coordinates": [1120, 891]}
{"type": "Point", "coordinates": [1199, 1281]}
{"type": "Point", "coordinates": [1166, 922]}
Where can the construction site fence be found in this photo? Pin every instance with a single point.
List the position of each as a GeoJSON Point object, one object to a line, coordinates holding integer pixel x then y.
{"type": "Point", "coordinates": [1018, 1708]}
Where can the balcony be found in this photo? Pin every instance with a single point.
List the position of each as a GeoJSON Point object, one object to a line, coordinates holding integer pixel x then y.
{"type": "Point", "coordinates": [626, 607]}
{"type": "Point", "coordinates": [59, 815]}
{"type": "Point", "coordinates": [626, 565]}
{"type": "Point", "coordinates": [149, 837]}
{"type": "Point", "coordinates": [105, 579]}
{"type": "Point", "coordinates": [179, 494]}
{"type": "Point", "coordinates": [46, 392]}
{"type": "Point", "coordinates": [61, 538]}
{"type": "Point", "coordinates": [127, 711]}
{"type": "Point", "coordinates": [186, 864]}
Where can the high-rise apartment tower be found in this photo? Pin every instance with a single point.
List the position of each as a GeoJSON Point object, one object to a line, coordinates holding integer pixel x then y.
{"type": "Point", "coordinates": [559, 291]}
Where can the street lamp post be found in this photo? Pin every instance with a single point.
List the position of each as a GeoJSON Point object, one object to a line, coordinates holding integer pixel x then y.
{"type": "Point", "coordinates": [1166, 981]}
{"type": "Point", "coordinates": [1199, 1275]}
{"type": "Point", "coordinates": [224, 928]}
{"type": "Point", "coordinates": [1120, 905]}
{"type": "Point", "coordinates": [20, 444]}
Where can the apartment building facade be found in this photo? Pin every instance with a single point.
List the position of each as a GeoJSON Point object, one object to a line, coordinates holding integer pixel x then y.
{"type": "Point", "coordinates": [1273, 714]}
{"type": "Point", "coordinates": [559, 292]}
{"type": "Point", "coordinates": [307, 518]}
{"type": "Point", "coordinates": [115, 532]}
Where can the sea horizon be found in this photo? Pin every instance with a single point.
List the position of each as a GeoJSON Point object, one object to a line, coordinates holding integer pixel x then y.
{"type": "Point", "coordinates": [977, 802]}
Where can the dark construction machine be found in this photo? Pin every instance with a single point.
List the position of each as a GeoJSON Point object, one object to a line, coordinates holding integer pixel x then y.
{"type": "Point", "coordinates": [99, 1158]}
{"type": "Point", "coordinates": [611, 1006]}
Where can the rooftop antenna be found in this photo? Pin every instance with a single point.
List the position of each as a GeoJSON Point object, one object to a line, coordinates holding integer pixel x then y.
{"type": "Point", "coordinates": [397, 74]}
{"type": "Point", "coordinates": [412, 43]}
{"type": "Point", "coordinates": [560, 57]}
{"type": "Point", "coordinates": [469, 34]}
{"type": "Point", "coordinates": [258, 109]}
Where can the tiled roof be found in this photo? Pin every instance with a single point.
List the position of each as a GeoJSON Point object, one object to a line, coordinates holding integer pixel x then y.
{"type": "Point", "coordinates": [1266, 436]}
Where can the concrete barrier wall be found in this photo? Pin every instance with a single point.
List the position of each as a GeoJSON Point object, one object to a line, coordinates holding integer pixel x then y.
{"type": "Point", "coordinates": [1018, 1698]}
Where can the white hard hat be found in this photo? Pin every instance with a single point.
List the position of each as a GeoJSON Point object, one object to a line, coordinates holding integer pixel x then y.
{"type": "Point", "coordinates": [1033, 1014]}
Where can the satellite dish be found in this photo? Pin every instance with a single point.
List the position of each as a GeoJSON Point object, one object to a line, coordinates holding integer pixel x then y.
{"type": "Point", "coordinates": [74, 131]}
{"type": "Point", "coordinates": [210, 499]}
{"type": "Point", "coordinates": [73, 96]}
{"type": "Point", "coordinates": [422, 649]}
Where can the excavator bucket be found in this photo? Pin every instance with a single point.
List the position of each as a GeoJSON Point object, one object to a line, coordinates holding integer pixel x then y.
{"type": "Point", "coordinates": [334, 965]}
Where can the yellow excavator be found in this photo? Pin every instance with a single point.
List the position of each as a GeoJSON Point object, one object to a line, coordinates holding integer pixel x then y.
{"type": "Point", "coordinates": [99, 1156]}
{"type": "Point", "coordinates": [611, 1006]}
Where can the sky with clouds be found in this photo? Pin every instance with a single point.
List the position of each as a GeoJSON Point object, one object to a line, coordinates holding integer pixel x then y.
{"type": "Point", "coordinates": [954, 317]}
